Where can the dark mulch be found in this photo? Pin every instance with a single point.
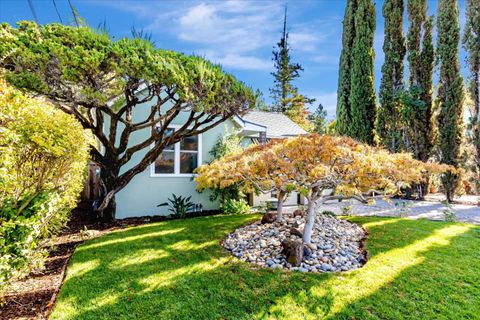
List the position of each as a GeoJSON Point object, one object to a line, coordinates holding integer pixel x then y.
{"type": "Point", "coordinates": [34, 296]}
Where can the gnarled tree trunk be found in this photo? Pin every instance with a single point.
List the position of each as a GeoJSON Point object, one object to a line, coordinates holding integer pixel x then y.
{"type": "Point", "coordinates": [309, 221]}
{"type": "Point", "coordinates": [280, 199]}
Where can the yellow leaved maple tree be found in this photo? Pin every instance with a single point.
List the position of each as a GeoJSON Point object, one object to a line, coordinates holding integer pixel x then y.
{"type": "Point", "coordinates": [320, 167]}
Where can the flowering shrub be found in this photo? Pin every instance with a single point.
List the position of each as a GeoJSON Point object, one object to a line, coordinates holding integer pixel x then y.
{"type": "Point", "coordinates": [43, 157]}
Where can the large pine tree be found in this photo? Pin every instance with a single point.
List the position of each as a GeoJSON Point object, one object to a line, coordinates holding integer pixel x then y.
{"type": "Point", "coordinates": [388, 118]}
{"type": "Point", "coordinates": [342, 124]}
{"type": "Point", "coordinates": [471, 43]}
{"type": "Point", "coordinates": [362, 96]}
{"type": "Point", "coordinates": [286, 98]}
{"type": "Point", "coordinates": [450, 91]}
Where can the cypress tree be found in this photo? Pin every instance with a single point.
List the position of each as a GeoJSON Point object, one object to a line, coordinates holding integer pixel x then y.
{"type": "Point", "coordinates": [471, 43]}
{"type": "Point", "coordinates": [450, 92]}
{"type": "Point", "coordinates": [388, 118]}
{"type": "Point", "coordinates": [342, 124]}
{"type": "Point", "coordinates": [362, 96]}
{"type": "Point", "coordinates": [419, 125]}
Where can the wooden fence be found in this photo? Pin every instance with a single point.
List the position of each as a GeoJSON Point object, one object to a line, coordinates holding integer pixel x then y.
{"type": "Point", "coordinates": [91, 191]}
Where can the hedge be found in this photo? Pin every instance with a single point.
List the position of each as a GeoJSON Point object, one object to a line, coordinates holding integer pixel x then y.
{"type": "Point", "coordinates": [43, 160]}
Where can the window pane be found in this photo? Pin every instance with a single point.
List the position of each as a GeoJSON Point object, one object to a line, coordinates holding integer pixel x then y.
{"type": "Point", "coordinates": [165, 163]}
{"type": "Point", "coordinates": [190, 143]}
{"type": "Point", "coordinates": [167, 133]}
{"type": "Point", "coordinates": [188, 162]}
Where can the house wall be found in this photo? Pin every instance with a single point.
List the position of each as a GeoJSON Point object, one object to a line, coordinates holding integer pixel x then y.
{"type": "Point", "coordinates": [144, 192]}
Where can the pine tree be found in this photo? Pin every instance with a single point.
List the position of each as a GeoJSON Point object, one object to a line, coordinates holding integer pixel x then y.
{"type": "Point", "coordinates": [362, 96]}
{"type": "Point", "coordinates": [319, 120]}
{"type": "Point", "coordinates": [388, 119]}
{"type": "Point", "coordinates": [342, 124]}
{"type": "Point", "coordinates": [471, 43]}
{"type": "Point", "coordinates": [450, 91]}
{"type": "Point", "coordinates": [284, 93]}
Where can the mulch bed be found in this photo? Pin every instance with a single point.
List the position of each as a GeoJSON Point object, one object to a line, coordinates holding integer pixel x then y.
{"type": "Point", "coordinates": [34, 296]}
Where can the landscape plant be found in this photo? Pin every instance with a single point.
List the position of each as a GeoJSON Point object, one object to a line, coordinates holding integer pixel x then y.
{"type": "Point", "coordinates": [229, 143]}
{"type": "Point", "coordinates": [43, 160]}
{"type": "Point", "coordinates": [285, 95]}
{"type": "Point", "coordinates": [179, 206]}
{"type": "Point", "coordinates": [388, 124]}
{"type": "Point", "coordinates": [101, 82]}
{"type": "Point", "coordinates": [313, 164]}
{"type": "Point", "coordinates": [471, 43]}
{"type": "Point", "coordinates": [451, 94]}
{"type": "Point", "coordinates": [234, 206]}
{"type": "Point", "coordinates": [255, 169]}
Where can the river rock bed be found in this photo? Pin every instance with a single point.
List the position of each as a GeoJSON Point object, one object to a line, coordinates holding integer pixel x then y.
{"type": "Point", "coordinates": [336, 245]}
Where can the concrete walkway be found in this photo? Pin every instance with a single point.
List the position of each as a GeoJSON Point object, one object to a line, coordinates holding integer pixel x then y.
{"type": "Point", "coordinates": [432, 210]}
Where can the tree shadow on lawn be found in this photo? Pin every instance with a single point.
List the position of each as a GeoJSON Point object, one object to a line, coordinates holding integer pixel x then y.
{"type": "Point", "coordinates": [177, 270]}
{"type": "Point", "coordinates": [440, 279]}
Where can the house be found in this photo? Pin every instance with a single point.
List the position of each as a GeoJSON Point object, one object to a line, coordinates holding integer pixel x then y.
{"type": "Point", "coordinates": [172, 172]}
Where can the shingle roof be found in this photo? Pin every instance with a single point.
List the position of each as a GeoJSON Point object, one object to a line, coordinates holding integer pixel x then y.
{"type": "Point", "coordinates": [278, 124]}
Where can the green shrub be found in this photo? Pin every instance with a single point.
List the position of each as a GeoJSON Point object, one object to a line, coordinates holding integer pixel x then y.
{"type": "Point", "coordinates": [233, 206]}
{"type": "Point", "coordinates": [329, 213]}
{"type": "Point", "coordinates": [179, 206]}
{"type": "Point", "coordinates": [43, 157]}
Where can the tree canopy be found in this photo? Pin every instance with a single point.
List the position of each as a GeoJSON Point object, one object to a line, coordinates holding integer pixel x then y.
{"type": "Point", "coordinates": [100, 81]}
{"type": "Point", "coordinates": [314, 163]}
{"type": "Point", "coordinates": [450, 91]}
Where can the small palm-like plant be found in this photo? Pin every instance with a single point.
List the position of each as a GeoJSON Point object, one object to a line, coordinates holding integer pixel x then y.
{"type": "Point", "coordinates": [178, 205]}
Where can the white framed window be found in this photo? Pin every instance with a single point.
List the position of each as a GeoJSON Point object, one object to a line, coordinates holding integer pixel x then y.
{"type": "Point", "coordinates": [178, 159]}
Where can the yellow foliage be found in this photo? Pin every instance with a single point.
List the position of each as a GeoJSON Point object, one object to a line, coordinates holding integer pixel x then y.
{"type": "Point", "coordinates": [317, 162]}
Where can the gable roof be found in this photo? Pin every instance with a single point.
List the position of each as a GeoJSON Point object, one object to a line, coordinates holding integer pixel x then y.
{"type": "Point", "coordinates": [277, 124]}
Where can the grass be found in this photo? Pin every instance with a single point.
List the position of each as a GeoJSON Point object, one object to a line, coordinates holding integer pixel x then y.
{"type": "Point", "coordinates": [177, 270]}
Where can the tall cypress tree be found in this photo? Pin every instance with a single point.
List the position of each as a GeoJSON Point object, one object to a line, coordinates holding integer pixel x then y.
{"type": "Point", "coordinates": [362, 96]}
{"type": "Point", "coordinates": [342, 124]}
{"type": "Point", "coordinates": [418, 121]}
{"type": "Point", "coordinates": [284, 93]}
{"type": "Point", "coordinates": [471, 43]}
{"type": "Point", "coordinates": [450, 91]}
{"type": "Point", "coordinates": [388, 118]}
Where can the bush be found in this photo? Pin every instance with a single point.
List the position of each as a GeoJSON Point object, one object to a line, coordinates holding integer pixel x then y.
{"type": "Point", "coordinates": [329, 213]}
{"type": "Point", "coordinates": [43, 157]}
{"type": "Point", "coordinates": [179, 206]}
{"type": "Point", "coordinates": [233, 206]}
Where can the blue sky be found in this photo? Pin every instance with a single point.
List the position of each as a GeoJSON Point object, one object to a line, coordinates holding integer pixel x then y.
{"type": "Point", "coordinates": [240, 35]}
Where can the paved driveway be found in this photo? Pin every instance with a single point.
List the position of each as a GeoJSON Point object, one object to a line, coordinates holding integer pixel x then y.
{"type": "Point", "coordinates": [421, 209]}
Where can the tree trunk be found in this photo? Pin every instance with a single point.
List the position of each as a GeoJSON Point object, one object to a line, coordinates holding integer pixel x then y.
{"type": "Point", "coordinates": [309, 221]}
{"type": "Point", "coordinates": [423, 189]}
{"type": "Point", "coordinates": [280, 199]}
{"type": "Point", "coordinates": [106, 208]}
{"type": "Point", "coordinates": [108, 214]}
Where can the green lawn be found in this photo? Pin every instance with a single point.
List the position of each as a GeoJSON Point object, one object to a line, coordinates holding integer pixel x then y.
{"type": "Point", "coordinates": [177, 270]}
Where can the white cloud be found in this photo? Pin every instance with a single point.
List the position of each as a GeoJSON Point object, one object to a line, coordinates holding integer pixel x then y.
{"type": "Point", "coordinates": [231, 26]}
{"type": "Point", "coordinates": [303, 41]}
{"type": "Point", "coordinates": [231, 32]}
{"type": "Point", "coordinates": [244, 62]}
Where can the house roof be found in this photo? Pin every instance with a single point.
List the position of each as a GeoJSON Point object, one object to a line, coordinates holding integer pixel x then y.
{"type": "Point", "coordinates": [277, 124]}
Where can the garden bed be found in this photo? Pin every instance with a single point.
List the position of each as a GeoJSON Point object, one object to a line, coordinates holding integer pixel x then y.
{"type": "Point", "coordinates": [337, 245]}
